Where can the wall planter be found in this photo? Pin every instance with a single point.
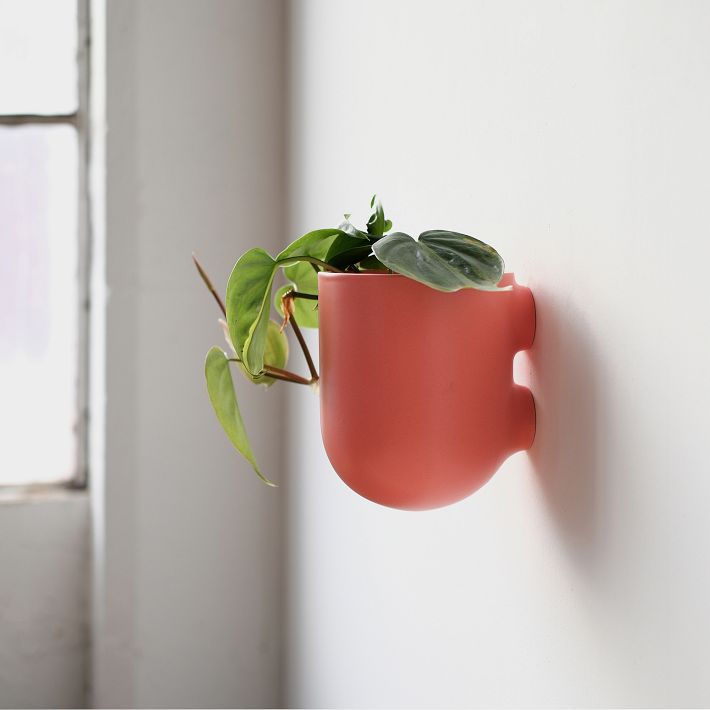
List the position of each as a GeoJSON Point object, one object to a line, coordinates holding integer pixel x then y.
{"type": "Point", "coordinates": [418, 403]}
{"type": "Point", "coordinates": [438, 412]}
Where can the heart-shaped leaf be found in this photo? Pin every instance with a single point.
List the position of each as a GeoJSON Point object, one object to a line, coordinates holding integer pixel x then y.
{"type": "Point", "coordinates": [346, 250]}
{"type": "Point", "coordinates": [248, 302]}
{"type": "Point", "coordinates": [315, 244]}
{"type": "Point", "coordinates": [446, 261]}
{"type": "Point", "coordinates": [249, 292]}
{"type": "Point", "coordinates": [220, 388]}
{"type": "Point", "coordinates": [275, 354]}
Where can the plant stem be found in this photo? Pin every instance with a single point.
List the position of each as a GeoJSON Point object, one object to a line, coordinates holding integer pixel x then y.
{"type": "Point", "coordinates": [289, 318]}
{"type": "Point", "coordinates": [287, 376]}
{"type": "Point", "coordinates": [311, 260]}
{"type": "Point", "coordinates": [209, 285]}
{"type": "Point", "coordinates": [304, 347]}
{"type": "Point", "coordinates": [278, 374]}
{"type": "Point", "coordinates": [298, 294]}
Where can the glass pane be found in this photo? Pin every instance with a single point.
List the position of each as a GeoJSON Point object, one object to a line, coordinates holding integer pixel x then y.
{"type": "Point", "coordinates": [38, 47]}
{"type": "Point", "coordinates": [38, 303]}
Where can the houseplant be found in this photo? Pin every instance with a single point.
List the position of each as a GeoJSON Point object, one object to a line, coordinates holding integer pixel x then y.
{"type": "Point", "coordinates": [369, 275]}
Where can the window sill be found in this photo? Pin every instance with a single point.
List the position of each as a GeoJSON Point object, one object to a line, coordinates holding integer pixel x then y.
{"type": "Point", "coordinates": [39, 493]}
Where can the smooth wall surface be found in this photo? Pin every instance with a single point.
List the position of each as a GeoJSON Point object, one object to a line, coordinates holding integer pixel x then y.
{"type": "Point", "coordinates": [44, 553]}
{"type": "Point", "coordinates": [572, 136]}
{"type": "Point", "coordinates": [186, 555]}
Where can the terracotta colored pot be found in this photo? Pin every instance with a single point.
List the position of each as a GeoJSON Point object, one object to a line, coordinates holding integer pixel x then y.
{"type": "Point", "coordinates": [418, 404]}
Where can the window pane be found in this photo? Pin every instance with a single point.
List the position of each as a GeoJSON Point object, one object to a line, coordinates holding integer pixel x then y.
{"type": "Point", "coordinates": [38, 303]}
{"type": "Point", "coordinates": [38, 47]}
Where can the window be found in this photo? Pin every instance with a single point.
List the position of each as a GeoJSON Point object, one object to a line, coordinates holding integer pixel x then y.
{"type": "Point", "coordinates": [43, 241]}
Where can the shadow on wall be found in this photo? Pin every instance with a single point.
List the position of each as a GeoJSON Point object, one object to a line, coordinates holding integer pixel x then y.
{"type": "Point", "coordinates": [565, 455]}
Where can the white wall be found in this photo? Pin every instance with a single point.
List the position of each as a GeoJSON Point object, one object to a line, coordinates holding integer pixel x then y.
{"type": "Point", "coordinates": [186, 554]}
{"type": "Point", "coordinates": [572, 136]}
{"type": "Point", "coordinates": [44, 544]}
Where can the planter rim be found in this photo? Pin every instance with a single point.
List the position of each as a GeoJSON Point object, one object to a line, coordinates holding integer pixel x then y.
{"type": "Point", "coordinates": [381, 275]}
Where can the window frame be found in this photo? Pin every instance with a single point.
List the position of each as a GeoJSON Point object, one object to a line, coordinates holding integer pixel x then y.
{"type": "Point", "coordinates": [80, 120]}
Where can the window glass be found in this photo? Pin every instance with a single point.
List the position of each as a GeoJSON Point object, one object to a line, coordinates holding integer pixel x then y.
{"type": "Point", "coordinates": [38, 303]}
{"type": "Point", "coordinates": [38, 47]}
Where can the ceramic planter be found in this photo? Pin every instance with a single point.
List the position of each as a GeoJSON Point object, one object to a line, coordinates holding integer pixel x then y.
{"type": "Point", "coordinates": [418, 404]}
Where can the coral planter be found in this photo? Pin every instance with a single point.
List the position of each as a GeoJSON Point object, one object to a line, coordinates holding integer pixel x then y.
{"type": "Point", "coordinates": [418, 404]}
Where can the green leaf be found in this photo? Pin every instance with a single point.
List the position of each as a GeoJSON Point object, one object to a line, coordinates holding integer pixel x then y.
{"type": "Point", "coordinates": [388, 225]}
{"type": "Point", "coordinates": [346, 250]}
{"type": "Point", "coordinates": [304, 310]}
{"type": "Point", "coordinates": [275, 353]}
{"type": "Point", "coordinates": [480, 262]}
{"type": "Point", "coordinates": [303, 276]}
{"type": "Point", "coordinates": [376, 223]}
{"type": "Point", "coordinates": [349, 228]}
{"type": "Point", "coordinates": [250, 283]}
{"type": "Point", "coordinates": [224, 402]}
{"type": "Point", "coordinates": [248, 301]}
{"type": "Point", "coordinates": [372, 263]}
{"type": "Point", "coordinates": [446, 261]}
{"type": "Point", "coordinates": [315, 244]}
{"type": "Point", "coordinates": [249, 292]}
{"type": "Point", "coordinates": [304, 279]}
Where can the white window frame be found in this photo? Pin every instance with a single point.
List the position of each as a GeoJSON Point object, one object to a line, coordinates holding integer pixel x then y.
{"type": "Point", "coordinates": [80, 120]}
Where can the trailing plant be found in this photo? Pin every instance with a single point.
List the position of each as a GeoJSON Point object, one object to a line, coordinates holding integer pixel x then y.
{"type": "Point", "coordinates": [443, 260]}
